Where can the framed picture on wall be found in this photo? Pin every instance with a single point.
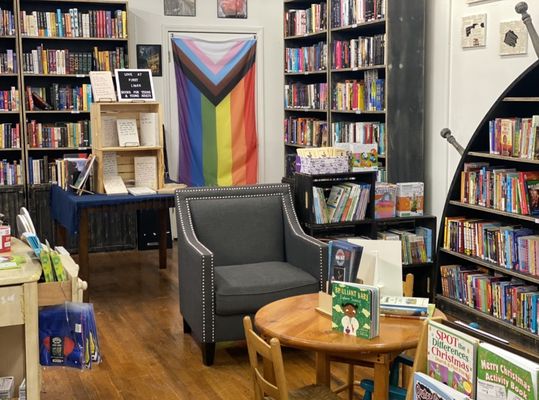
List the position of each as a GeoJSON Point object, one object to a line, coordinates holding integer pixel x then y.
{"type": "Point", "coordinates": [180, 8]}
{"type": "Point", "coordinates": [149, 57]}
{"type": "Point", "coordinates": [232, 8]}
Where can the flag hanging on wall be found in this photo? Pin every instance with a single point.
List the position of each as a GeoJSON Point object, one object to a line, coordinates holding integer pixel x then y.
{"type": "Point", "coordinates": [215, 82]}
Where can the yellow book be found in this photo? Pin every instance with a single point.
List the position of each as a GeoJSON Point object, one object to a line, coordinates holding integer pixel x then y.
{"type": "Point", "coordinates": [124, 24]}
{"type": "Point", "coordinates": [58, 267]}
{"type": "Point", "coordinates": [46, 266]}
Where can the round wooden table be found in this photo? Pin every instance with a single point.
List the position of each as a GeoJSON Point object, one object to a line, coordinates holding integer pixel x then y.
{"type": "Point", "coordinates": [296, 323]}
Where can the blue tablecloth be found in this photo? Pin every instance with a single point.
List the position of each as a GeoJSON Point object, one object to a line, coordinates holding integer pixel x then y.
{"type": "Point", "coordinates": [66, 206]}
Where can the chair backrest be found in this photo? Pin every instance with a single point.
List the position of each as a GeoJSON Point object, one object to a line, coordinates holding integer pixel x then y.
{"type": "Point", "coordinates": [239, 225]}
{"type": "Point", "coordinates": [408, 286]}
{"type": "Point", "coordinates": [268, 375]}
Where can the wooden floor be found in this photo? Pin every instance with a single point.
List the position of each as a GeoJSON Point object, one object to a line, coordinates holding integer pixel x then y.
{"type": "Point", "coordinates": [145, 353]}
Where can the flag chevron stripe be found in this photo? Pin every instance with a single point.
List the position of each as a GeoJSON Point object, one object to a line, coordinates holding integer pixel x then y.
{"type": "Point", "coordinates": [215, 93]}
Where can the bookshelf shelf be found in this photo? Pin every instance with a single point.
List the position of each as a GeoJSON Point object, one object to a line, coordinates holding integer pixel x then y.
{"type": "Point", "coordinates": [97, 2]}
{"type": "Point", "coordinates": [57, 112]}
{"type": "Point", "coordinates": [381, 112]}
{"type": "Point", "coordinates": [10, 187]}
{"type": "Point", "coordinates": [367, 24]}
{"type": "Point", "coordinates": [5, 75]}
{"type": "Point", "coordinates": [491, 266]}
{"type": "Point", "coordinates": [7, 36]}
{"type": "Point", "coordinates": [82, 76]}
{"type": "Point", "coordinates": [305, 110]}
{"type": "Point", "coordinates": [93, 39]}
{"type": "Point", "coordinates": [500, 157]}
{"type": "Point", "coordinates": [11, 149]}
{"type": "Point", "coordinates": [515, 99]}
{"type": "Point", "coordinates": [59, 148]}
{"type": "Point", "coordinates": [306, 73]}
{"type": "Point", "coordinates": [315, 35]}
{"type": "Point", "coordinates": [131, 148]}
{"type": "Point", "coordinates": [355, 69]}
{"type": "Point", "coordinates": [470, 310]}
{"type": "Point", "coordinates": [300, 146]}
{"type": "Point", "coordinates": [494, 211]}
{"type": "Point", "coordinates": [9, 112]}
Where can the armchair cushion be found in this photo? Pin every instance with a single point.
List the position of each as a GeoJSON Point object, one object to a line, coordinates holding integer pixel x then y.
{"type": "Point", "coordinates": [243, 289]}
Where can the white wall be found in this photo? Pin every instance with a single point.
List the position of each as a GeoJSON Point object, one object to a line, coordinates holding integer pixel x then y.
{"type": "Point", "coordinates": [148, 25]}
{"type": "Point", "coordinates": [462, 84]}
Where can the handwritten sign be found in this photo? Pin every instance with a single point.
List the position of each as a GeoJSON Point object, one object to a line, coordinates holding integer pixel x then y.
{"type": "Point", "coordinates": [134, 85]}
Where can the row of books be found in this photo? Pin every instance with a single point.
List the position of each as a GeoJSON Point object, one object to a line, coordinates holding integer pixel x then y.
{"type": "Point", "coordinates": [59, 134]}
{"type": "Point", "coordinates": [59, 97]}
{"type": "Point", "coordinates": [504, 189]}
{"type": "Point", "coordinates": [461, 367]}
{"type": "Point", "coordinates": [306, 96]}
{"type": "Point", "coordinates": [61, 171]}
{"type": "Point", "coordinates": [64, 61]}
{"type": "Point", "coordinates": [8, 62]}
{"type": "Point", "coordinates": [7, 23]}
{"type": "Point", "coordinates": [306, 59]}
{"type": "Point", "coordinates": [359, 132]}
{"type": "Point", "coordinates": [503, 297]}
{"type": "Point", "coordinates": [10, 173]}
{"type": "Point", "coordinates": [350, 12]}
{"type": "Point", "coordinates": [381, 174]}
{"type": "Point", "coordinates": [514, 137]}
{"type": "Point", "coordinates": [509, 246]}
{"type": "Point", "coordinates": [363, 95]}
{"type": "Point", "coordinates": [9, 99]}
{"type": "Point", "coordinates": [416, 245]}
{"type": "Point", "coordinates": [306, 131]}
{"type": "Point", "coordinates": [301, 22]}
{"type": "Point", "coordinates": [361, 52]}
{"type": "Point", "coordinates": [10, 135]}
{"type": "Point", "coordinates": [345, 202]}
{"type": "Point", "coordinates": [75, 23]}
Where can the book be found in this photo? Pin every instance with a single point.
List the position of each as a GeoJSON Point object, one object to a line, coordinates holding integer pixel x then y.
{"type": "Point", "coordinates": [355, 309]}
{"type": "Point", "coordinates": [504, 375]}
{"type": "Point", "coordinates": [46, 266]}
{"type": "Point", "coordinates": [127, 132]}
{"type": "Point", "coordinates": [57, 265]}
{"type": "Point", "coordinates": [140, 191]}
{"type": "Point", "coordinates": [427, 388]}
{"type": "Point", "coordinates": [344, 260]}
{"type": "Point", "coordinates": [148, 129]}
{"type": "Point", "coordinates": [408, 306]}
{"type": "Point", "coordinates": [451, 357]}
{"type": "Point", "coordinates": [410, 199]}
{"type": "Point", "coordinates": [385, 200]}
{"type": "Point", "coordinates": [532, 187]}
{"type": "Point", "coordinates": [114, 184]}
{"type": "Point", "coordinates": [364, 157]}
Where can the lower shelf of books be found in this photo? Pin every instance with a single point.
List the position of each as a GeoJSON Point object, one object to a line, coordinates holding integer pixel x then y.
{"type": "Point", "coordinates": [521, 339]}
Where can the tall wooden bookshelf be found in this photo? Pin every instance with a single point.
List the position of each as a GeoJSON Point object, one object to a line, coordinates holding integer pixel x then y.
{"type": "Point", "coordinates": [519, 100]}
{"type": "Point", "coordinates": [398, 30]}
{"type": "Point", "coordinates": [57, 43]}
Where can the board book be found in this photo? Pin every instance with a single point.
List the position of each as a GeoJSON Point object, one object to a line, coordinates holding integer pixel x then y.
{"type": "Point", "coordinates": [344, 260]}
{"type": "Point", "coordinates": [355, 309]}
{"type": "Point", "coordinates": [427, 388]}
{"type": "Point", "coordinates": [451, 356]}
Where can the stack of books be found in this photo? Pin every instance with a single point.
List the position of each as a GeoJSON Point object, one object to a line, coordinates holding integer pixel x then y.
{"type": "Point", "coordinates": [7, 385]}
{"type": "Point", "coordinates": [412, 307]}
{"type": "Point", "coordinates": [346, 202]}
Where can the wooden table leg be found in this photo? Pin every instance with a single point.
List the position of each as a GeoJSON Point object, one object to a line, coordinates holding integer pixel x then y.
{"type": "Point", "coordinates": [163, 218]}
{"type": "Point", "coordinates": [381, 380]}
{"type": "Point", "coordinates": [322, 369]}
{"type": "Point", "coordinates": [84, 262]}
{"type": "Point", "coordinates": [31, 340]}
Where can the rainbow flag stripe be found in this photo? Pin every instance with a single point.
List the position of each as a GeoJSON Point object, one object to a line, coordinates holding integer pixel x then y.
{"type": "Point", "coordinates": [216, 109]}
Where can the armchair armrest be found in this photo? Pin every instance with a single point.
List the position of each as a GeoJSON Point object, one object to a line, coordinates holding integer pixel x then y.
{"type": "Point", "coordinates": [302, 250]}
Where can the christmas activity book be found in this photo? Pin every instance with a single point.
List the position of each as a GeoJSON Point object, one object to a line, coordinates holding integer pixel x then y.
{"type": "Point", "coordinates": [355, 309]}
{"type": "Point", "coordinates": [427, 388]}
{"type": "Point", "coordinates": [451, 357]}
{"type": "Point", "coordinates": [505, 376]}
{"type": "Point", "coordinates": [344, 259]}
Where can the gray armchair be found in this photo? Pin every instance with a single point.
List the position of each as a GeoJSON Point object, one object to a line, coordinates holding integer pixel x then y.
{"type": "Point", "coordinates": [240, 248]}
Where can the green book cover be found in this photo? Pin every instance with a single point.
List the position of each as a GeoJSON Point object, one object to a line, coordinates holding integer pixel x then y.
{"type": "Point", "coordinates": [451, 357]}
{"type": "Point", "coordinates": [46, 266]}
{"type": "Point", "coordinates": [355, 309]}
{"type": "Point", "coordinates": [58, 267]}
{"type": "Point", "coordinates": [505, 376]}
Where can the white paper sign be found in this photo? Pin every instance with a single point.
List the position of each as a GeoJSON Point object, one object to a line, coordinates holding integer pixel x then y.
{"type": "Point", "coordinates": [148, 129]}
{"type": "Point", "coordinates": [109, 131]}
{"type": "Point", "coordinates": [102, 86]}
{"type": "Point", "coordinates": [127, 132]}
{"type": "Point", "coordinates": [146, 172]}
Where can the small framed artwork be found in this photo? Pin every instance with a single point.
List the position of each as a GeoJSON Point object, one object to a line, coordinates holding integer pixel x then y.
{"type": "Point", "coordinates": [232, 8]}
{"type": "Point", "coordinates": [180, 8]}
{"type": "Point", "coordinates": [474, 31]}
{"type": "Point", "coordinates": [513, 38]}
{"type": "Point", "coordinates": [149, 57]}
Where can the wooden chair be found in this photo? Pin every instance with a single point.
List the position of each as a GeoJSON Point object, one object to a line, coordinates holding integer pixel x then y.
{"type": "Point", "coordinates": [269, 377]}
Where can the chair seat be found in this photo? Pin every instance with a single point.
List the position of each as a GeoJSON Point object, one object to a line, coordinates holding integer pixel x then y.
{"type": "Point", "coordinates": [243, 289]}
{"type": "Point", "coordinates": [313, 392]}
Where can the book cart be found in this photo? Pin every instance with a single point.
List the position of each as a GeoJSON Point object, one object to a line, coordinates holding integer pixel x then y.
{"type": "Point", "coordinates": [319, 70]}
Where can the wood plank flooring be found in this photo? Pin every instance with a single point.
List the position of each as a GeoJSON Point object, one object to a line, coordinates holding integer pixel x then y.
{"type": "Point", "coordinates": [145, 353]}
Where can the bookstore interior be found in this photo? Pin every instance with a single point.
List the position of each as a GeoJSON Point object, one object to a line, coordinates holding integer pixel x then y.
{"type": "Point", "coordinates": [286, 199]}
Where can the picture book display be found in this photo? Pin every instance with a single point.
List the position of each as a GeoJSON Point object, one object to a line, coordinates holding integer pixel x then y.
{"type": "Point", "coordinates": [355, 309]}
{"type": "Point", "coordinates": [505, 376]}
{"type": "Point", "coordinates": [410, 197]}
{"type": "Point", "coordinates": [385, 200]}
{"type": "Point", "coordinates": [427, 388]}
{"type": "Point", "coordinates": [451, 357]}
{"type": "Point", "coordinates": [344, 260]}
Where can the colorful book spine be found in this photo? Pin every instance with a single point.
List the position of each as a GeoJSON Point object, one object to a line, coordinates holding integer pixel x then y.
{"type": "Point", "coordinates": [10, 136]}
{"type": "Point", "coordinates": [10, 173]}
{"type": "Point", "coordinates": [59, 134]}
{"type": "Point", "coordinates": [305, 21]}
{"type": "Point", "coordinates": [365, 51]}
{"type": "Point", "coordinates": [352, 12]}
{"type": "Point", "coordinates": [306, 59]}
{"type": "Point", "coordinates": [360, 95]}
{"type": "Point", "coordinates": [306, 96]}
{"type": "Point", "coordinates": [306, 131]}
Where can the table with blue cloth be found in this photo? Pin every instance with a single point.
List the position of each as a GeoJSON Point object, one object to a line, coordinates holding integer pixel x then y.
{"type": "Point", "coordinates": [70, 214]}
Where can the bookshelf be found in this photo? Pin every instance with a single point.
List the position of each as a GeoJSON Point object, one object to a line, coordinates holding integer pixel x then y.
{"type": "Point", "coordinates": [358, 53]}
{"type": "Point", "coordinates": [488, 228]}
{"type": "Point", "coordinates": [368, 227]}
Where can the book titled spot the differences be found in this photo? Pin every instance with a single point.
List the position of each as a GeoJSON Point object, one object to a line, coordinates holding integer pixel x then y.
{"type": "Point", "coordinates": [355, 309]}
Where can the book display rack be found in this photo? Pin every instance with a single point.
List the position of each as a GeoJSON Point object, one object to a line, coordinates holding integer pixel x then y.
{"type": "Point", "coordinates": [47, 49]}
{"type": "Point", "coordinates": [341, 84]}
{"type": "Point", "coordinates": [488, 236]}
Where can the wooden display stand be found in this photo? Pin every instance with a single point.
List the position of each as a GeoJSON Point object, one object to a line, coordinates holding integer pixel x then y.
{"type": "Point", "coordinates": [125, 155]}
{"type": "Point", "coordinates": [21, 296]}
